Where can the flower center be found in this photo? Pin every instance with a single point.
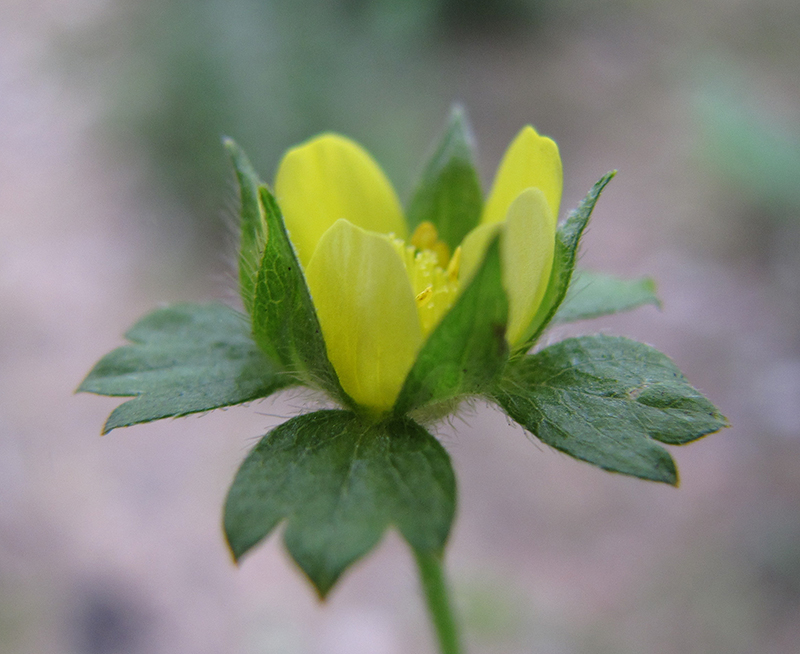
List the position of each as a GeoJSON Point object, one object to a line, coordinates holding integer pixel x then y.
{"type": "Point", "coordinates": [432, 271]}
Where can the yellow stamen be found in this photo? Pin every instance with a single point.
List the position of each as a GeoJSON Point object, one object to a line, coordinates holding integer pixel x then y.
{"type": "Point", "coordinates": [435, 286]}
{"type": "Point", "coordinates": [425, 237]}
{"type": "Point", "coordinates": [424, 294]}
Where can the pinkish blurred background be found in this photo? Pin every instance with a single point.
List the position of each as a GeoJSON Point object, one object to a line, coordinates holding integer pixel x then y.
{"type": "Point", "coordinates": [115, 197]}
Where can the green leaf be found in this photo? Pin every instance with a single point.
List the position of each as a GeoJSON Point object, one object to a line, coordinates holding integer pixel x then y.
{"type": "Point", "coordinates": [594, 294]}
{"type": "Point", "coordinates": [568, 239]}
{"type": "Point", "coordinates": [468, 349]}
{"type": "Point", "coordinates": [285, 324]}
{"type": "Point", "coordinates": [449, 193]}
{"type": "Point", "coordinates": [186, 358]}
{"type": "Point", "coordinates": [606, 400]}
{"type": "Point", "coordinates": [339, 483]}
{"type": "Point", "coordinates": [253, 226]}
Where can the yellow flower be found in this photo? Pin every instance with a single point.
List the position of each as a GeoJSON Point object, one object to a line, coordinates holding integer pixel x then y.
{"type": "Point", "coordinates": [378, 291]}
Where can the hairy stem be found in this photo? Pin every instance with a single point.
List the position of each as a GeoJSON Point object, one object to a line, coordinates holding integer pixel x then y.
{"type": "Point", "coordinates": [431, 574]}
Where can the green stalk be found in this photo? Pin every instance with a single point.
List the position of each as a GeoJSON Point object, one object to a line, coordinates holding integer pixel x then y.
{"type": "Point", "coordinates": [431, 574]}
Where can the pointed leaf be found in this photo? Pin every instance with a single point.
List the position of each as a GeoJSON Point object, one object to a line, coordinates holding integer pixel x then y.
{"type": "Point", "coordinates": [184, 359]}
{"type": "Point", "coordinates": [253, 226]}
{"type": "Point", "coordinates": [568, 239]}
{"type": "Point", "coordinates": [449, 193]}
{"type": "Point", "coordinates": [606, 400]}
{"type": "Point", "coordinates": [339, 483]}
{"type": "Point", "coordinates": [285, 324]}
{"type": "Point", "coordinates": [468, 349]}
{"type": "Point", "coordinates": [594, 294]}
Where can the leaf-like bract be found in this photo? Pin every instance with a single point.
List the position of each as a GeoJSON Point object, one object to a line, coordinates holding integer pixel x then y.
{"type": "Point", "coordinates": [285, 323]}
{"type": "Point", "coordinates": [568, 239]}
{"type": "Point", "coordinates": [252, 223]}
{"type": "Point", "coordinates": [606, 400]}
{"type": "Point", "coordinates": [593, 294]}
{"type": "Point", "coordinates": [449, 193]}
{"type": "Point", "coordinates": [184, 359]}
{"type": "Point", "coordinates": [339, 483]}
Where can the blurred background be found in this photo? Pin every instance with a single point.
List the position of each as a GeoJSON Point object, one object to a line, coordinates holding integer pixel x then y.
{"type": "Point", "coordinates": [116, 196]}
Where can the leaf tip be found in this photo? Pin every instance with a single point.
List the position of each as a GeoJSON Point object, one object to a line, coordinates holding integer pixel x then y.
{"type": "Point", "coordinates": [322, 577]}
{"type": "Point", "coordinates": [652, 287]}
{"type": "Point", "coordinates": [80, 388]}
{"type": "Point", "coordinates": [457, 112]}
{"type": "Point", "coordinates": [112, 423]}
{"type": "Point", "coordinates": [235, 550]}
{"type": "Point", "coordinates": [230, 146]}
{"type": "Point", "coordinates": [674, 479]}
{"type": "Point", "coordinates": [117, 419]}
{"type": "Point", "coordinates": [459, 132]}
{"type": "Point", "coordinates": [667, 472]}
{"type": "Point", "coordinates": [235, 557]}
{"type": "Point", "coordinates": [322, 591]}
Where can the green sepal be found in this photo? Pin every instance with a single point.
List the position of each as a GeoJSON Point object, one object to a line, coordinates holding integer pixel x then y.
{"type": "Point", "coordinates": [339, 483]}
{"type": "Point", "coordinates": [467, 350]}
{"type": "Point", "coordinates": [252, 226]}
{"type": "Point", "coordinates": [449, 193]}
{"type": "Point", "coordinates": [593, 294]}
{"type": "Point", "coordinates": [606, 400]}
{"type": "Point", "coordinates": [184, 359]}
{"type": "Point", "coordinates": [568, 238]}
{"type": "Point", "coordinates": [285, 323]}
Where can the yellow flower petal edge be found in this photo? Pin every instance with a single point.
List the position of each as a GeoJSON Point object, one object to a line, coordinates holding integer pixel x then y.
{"type": "Point", "coordinates": [473, 249]}
{"type": "Point", "coordinates": [530, 161]}
{"type": "Point", "coordinates": [367, 312]}
{"type": "Point", "coordinates": [527, 250]}
{"type": "Point", "coordinates": [331, 177]}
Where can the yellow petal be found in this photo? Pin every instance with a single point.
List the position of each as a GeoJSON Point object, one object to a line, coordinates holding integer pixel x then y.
{"type": "Point", "coordinates": [527, 250]}
{"type": "Point", "coordinates": [367, 312]}
{"type": "Point", "coordinates": [530, 161]}
{"type": "Point", "coordinates": [527, 246]}
{"type": "Point", "coordinates": [473, 249]}
{"type": "Point", "coordinates": [328, 178]}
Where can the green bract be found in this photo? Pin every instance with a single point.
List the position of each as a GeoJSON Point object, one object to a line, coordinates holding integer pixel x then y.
{"type": "Point", "coordinates": [396, 319]}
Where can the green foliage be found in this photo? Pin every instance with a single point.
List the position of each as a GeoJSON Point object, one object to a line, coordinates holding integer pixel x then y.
{"type": "Point", "coordinates": [449, 193]}
{"type": "Point", "coordinates": [592, 295]}
{"type": "Point", "coordinates": [285, 323]}
{"type": "Point", "coordinates": [338, 479]}
{"type": "Point", "coordinates": [568, 239]}
{"type": "Point", "coordinates": [252, 226]}
{"type": "Point", "coordinates": [185, 359]}
{"type": "Point", "coordinates": [468, 349]}
{"type": "Point", "coordinates": [339, 483]}
{"type": "Point", "coordinates": [606, 400]}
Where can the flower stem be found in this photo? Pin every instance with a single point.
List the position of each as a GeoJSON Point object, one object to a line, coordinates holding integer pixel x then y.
{"type": "Point", "coordinates": [431, 574]}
